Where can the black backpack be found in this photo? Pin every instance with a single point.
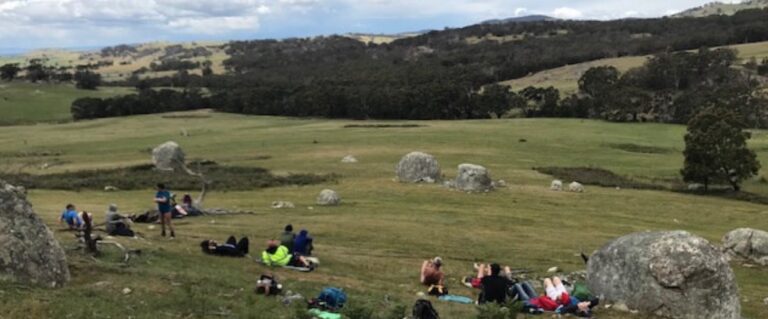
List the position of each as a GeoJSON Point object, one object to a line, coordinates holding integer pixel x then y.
{"type": "Point", "coordinates": [423, 310]}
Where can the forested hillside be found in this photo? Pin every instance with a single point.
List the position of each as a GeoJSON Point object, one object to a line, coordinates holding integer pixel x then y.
{"type": "Point", "coordinates": [440, 74]}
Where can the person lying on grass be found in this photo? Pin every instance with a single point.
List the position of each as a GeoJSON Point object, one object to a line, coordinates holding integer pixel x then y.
{"type": "Point", "coordinates": [555, 299]}
{"type": "Point", "coordinates": [278, 255]}
{"type": "Point", "coordinates": [493, 284]}
{"type": "Point", "coordinates": [232, 248]}
{"type": "Point", "coordinates": [70, 218]}
{"type": "Point", "coordinates": [431, 275]}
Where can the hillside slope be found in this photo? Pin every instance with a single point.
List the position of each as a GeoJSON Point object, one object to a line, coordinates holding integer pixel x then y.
{"type": "Point", "coordinates": [566, 78]}
{"type": "Point", "coordinates": [720, 8]}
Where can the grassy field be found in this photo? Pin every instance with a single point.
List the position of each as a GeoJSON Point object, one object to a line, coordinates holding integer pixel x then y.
{"type": "Point", "coordinates": [373, 244]}
{"type": "Point", "coordinates": [31, 103]}
{"type": "Point", "coordinates": [566, 78]}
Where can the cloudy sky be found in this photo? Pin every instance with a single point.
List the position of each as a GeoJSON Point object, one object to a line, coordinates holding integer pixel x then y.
{"type": "Point", "coordinates": [28, 24]}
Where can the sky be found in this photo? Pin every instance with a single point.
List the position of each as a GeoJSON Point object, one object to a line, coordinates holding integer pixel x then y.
{"type": "Point", "coordinates": [30, 24]}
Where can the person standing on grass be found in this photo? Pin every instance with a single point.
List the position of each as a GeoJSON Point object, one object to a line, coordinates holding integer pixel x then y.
{"type": "Point", "coordinates": [163, 200]}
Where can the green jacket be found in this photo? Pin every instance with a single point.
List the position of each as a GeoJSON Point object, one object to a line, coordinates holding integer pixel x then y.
{"type": "Point", "coordinates": [281, 257]}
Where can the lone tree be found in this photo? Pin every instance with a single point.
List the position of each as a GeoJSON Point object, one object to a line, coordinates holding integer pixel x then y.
{"type": "Point", "coordinates": [716, 149]}
{"type": "Point", "coordinates": [87, 80]}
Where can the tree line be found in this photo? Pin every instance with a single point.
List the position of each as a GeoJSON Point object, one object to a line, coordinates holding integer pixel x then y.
{"type": "Point", "coordinates": [36, 71]}
{"type": "Point", "coordinates": [443, 75]}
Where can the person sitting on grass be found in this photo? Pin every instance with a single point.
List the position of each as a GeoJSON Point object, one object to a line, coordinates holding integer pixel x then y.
{"type": "Point", "coordinates": [494, 286]}
{"type": "Point", "coordinates": [71, 218]}
{"type": "Point", "coordinates": [232, 248]}
{"type": "Point", "coordinates": [431, 275]}
{"type": "Point", "coordinates": [116, 224]}
{"type": "Point", "coordinates": [302, 245]}
{"type": "Point", "coordinates": [278, 255]}
{"type": "Point", "coordinates": [555, 299]}
{"type": "Point", "coordinates": [287, 238]}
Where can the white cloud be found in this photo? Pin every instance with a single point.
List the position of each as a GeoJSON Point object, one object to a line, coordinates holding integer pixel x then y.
{"type": "Point", "coordinates": [213, 25]}
{"type": "Point", "coordinates": [567, 13]}
{"type": "Point", "coordinates": [36, 23]}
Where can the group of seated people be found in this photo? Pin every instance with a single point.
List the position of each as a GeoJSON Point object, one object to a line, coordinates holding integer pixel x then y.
{"type": "Point", "coordinates": [497, 285]}
{"type": "Point", "coordinates": [115, 224]}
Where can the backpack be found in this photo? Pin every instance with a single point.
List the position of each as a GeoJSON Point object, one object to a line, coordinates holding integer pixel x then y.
{"type": "Point", "coordinates": [332, 298]}
{"type": "Point", "coordinates": [581, 292]}
{"type": "Point", "coordinates": [423, 310]}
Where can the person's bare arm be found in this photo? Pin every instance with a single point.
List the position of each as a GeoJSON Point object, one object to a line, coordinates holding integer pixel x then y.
{"type": "Point", "coordinates": [424, 270]}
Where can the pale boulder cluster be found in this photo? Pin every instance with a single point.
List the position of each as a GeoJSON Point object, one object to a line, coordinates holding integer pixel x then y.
{"type": "Point", "coordinates": [419, 167]}
{"type": "Point", "coordinates": [557, 185]}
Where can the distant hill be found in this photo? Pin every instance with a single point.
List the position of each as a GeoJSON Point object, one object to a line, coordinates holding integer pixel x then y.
{"type": "Point", "coordinates": [383, 38]}
{"type": "Point", "coordinates": [530, 18]}
{"type": "Point", "coordinates": [719, 8]}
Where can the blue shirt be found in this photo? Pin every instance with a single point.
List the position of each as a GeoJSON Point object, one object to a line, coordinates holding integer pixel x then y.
{"type": "Point", "coordinates": [164, 207]}
{"type": "Point", "coordinates": [70, 216]}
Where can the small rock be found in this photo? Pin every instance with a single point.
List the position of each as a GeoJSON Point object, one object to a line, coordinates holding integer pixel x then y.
{"type": "Point", "coordinates": [213, 221]}
{"type": "Point", "coordinates": [151, 227]}
{"type": "Point", "coordinates": [765, 301]}
{"type": "Point", "coordinates": [127, 291]}
{"type": "Point", "coordinates": [310, 208]}
{"type": "Point", "coordinates": [621, 307]}
{"type": "Point", "coordinates": [501, 183]}
{"type": "Point", "coordinates": [349, 159]}
{"type": "Point", "coordinates": [328, 198]}
{"type": "Point", "coordinates": [110, 188]}
{"type": "Point", "coordinates": [282, 204]}
{"type": "Point", "coordinates": [553, 270]}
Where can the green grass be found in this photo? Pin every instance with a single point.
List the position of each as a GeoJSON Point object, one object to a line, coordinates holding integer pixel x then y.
{"type": "Point", "coordinates": [22, 102]}
{"type": "Point", "coordinates": [373, 244]}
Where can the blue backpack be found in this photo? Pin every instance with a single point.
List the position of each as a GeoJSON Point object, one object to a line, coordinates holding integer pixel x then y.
{"type": "Point", "coordinates": [334, 298]}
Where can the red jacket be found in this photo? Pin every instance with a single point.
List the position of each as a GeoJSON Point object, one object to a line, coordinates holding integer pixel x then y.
{"type": "Point", "coordinates": [548, 304]}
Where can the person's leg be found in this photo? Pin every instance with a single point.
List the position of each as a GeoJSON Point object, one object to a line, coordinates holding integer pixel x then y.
{"type": "Point", "coordinates": [559, 286]}
{"type": "Point", "coordinates": [521, 292]}
{"type": "Point", "coordinates": [528, 289]}
{"type": "Point", "coordinates": [168, 221]}
{"type": "Point", "coordinates": [162, 223]}
{"type": "Point", "coordinates": [549, 287]}
{"type": "Point", "coordinates": [481, 271]}
{"type": "Point", "coordinates": [242, 246]}
{"type": "Point", "coordinates": [232, 241]}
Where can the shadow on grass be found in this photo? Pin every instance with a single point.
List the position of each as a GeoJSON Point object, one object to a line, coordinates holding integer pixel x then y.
{"type": "Point", "coordinates": [226, 178]}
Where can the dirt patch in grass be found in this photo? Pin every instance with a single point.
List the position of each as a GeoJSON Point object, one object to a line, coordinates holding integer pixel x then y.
{"type": "Point", "coordinates": [643, 149]}
{"type": "Point", "coordinates": [595, 176]}
{"type": "Point", "coordinates": [227, 178]}
{"type": "Point", "coordinates": [383, 125]}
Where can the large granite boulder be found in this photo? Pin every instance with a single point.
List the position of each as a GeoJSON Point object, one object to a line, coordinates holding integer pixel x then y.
{"type": "Point", "coordinates": [668, 274]}
{"type": "Point", "coordinates": [29, 254]}
{"type": "Point", "coordinates": [473, 178]}
{"type": "Point", "coordinates": [168, 156]}
{"type": "Point", "coordinates": [328, 197]}
{"type": "Point", "coordinates": [748, 243]}
{"type": "Point", "coordinates": [418, 167]}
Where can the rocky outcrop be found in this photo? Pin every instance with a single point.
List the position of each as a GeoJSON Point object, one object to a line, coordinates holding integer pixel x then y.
{"type": "Point", "coordinates": [473, 178]}
{"type": "Point", "coordinates": [29, 254]}
{"type": "Point", "coordinates": [748, 243]}
{"type": "Point", "coordinates": [168, 156]}
{"type": "Point", "coordinates": [669, 274]}
{"type": "Point", "coordinates": [418, 167]}
{"type": "Point", "coordinates": [328, 198]}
